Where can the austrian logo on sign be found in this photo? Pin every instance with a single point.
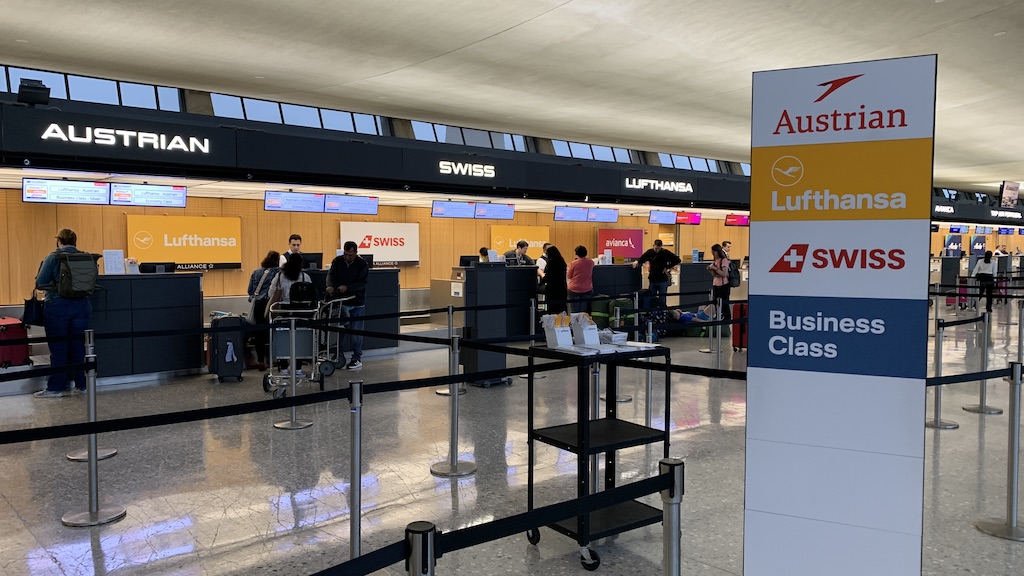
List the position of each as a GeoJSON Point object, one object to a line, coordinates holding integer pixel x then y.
{"type": "Point", "coordinates": [839, 258]}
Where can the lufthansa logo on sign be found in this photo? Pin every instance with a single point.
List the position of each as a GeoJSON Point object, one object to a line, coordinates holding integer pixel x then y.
{"type": "Point", "coordinates": [143, 240]}
{"type": "Point", "coordinates": [787, 171]}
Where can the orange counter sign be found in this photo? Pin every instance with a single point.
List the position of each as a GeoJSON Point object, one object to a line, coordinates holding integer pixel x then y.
{"type": "Point", "coordinates": [191, 242]}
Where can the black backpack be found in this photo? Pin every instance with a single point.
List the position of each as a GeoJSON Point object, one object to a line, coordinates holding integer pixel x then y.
{"type": "Point", "coordinates": [302, 293]}
{"type": "Point", "coordinates": [78, 272]}
{"type": "Point", "coordinates": [734, 274]}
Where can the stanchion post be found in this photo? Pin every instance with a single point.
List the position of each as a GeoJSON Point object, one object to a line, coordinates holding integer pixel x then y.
{"type": "Point", "coordinates": [718, 331]}
{"type": "Point", "coordinates": [451, 357]}
{"type": "Point", "coordinates": [636, 314]}
{"type": "Point", "coordinates": [648, 409]}
{"type": "Point", "coordinates": [595, 413]}
{"type": "Point", "coordinates": [533, 316]}
{"type": "Point", "coordinates": [95, 515]}
{"type": "Point", "coordinates": [355, 493]}
{"type": "Point", "coordinates": [1020, 330]}
{"type": "Point", "coordinates": [671, 499]}
{"type": "Point", "coordinates": [453, 467]}
{"type": "Point", "coordinates": [983, 407]}
{"type": "Point", "coordinates": [420, 546]}
{"type": "Point", "coordinates": [1009, 529]}
{"type": "Point", "coordinates": [293, 368]}
{"type": "Point", "coordinates": [937, 421]}
{"type": "Point", "coordinates": [101, 453]}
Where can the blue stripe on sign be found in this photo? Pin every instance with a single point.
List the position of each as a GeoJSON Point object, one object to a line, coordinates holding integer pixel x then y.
{"type": "Point", "coordinates": [839, 335]}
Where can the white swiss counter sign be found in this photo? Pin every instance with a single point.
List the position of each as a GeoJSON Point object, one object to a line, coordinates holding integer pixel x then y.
{"type": "Point", "coordinates": [841, 160]}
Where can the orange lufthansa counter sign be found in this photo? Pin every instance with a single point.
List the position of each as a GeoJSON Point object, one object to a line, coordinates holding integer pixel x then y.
{"type": "Point", "coordinates": [881, 180]}
{"type": "Point", "coordinates": [191, 242]}
{"type": "Point", "coordinates": [504, 238]}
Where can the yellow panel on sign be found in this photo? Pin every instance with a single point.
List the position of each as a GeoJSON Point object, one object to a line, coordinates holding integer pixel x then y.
{"type": "Point", "coordinates": [881, 180]}
{"type": "Point", "coordinates": [185, 239]}
{"type": "Point", "coordinates": [504, 238]}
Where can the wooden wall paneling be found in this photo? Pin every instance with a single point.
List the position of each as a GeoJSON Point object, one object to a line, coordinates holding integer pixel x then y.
{"type": "Point", "coordinates": [308, 226]}
{"type": "Point", "coordinates": [236, 282]}
{"type": "Point", "coordinates": [6, 294]}
{"type": "Point", "coordinates": [86, 221]}
{"type": "Point", "coordinates": [330, 235]}
{"type": "Point", "coordinates": [31, 231]}
{"type": "Point", "coordinates": [441, 247]}
{"type": "Point", "coordinates": [215, 282]}
{"type": "Point", "coordinates": [115, 226]}
{"type": "Point", "coordinates": [418, 276]}
{"type": "Point", "coordinates": [273, 229]}
{"type": "Point", "coordinates": [464, 241]}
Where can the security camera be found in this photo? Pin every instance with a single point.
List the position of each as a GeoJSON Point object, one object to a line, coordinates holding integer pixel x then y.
{"type": "Point", "coordinates": [248, 176]}
{"type": "Point", "coordinates": [26, 162]}
{"type": "Point", "coordinates": [406, 186]}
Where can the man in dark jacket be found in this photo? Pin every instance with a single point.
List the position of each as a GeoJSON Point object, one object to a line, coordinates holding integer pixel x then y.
{"type": "Point", "coordinates": [662, 261]}
{"type": "Point", "coordinates": [346, 278]}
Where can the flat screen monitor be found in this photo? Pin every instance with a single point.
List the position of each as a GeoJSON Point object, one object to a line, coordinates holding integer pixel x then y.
{"type": "Point", "coordinates": [737, 220]}
{"type": "Point", "coordinates": [156, 267]}
{"type": "Point", "coordinates": [345, 204]}
{"type": "Point", "coordinates": [687, 217]}
{"type": "Point", "coordinates": [467, 261]}
{"type": "Point", "coordinates": [1020, 231]}
{"type": "Point", "coordinates": [570, 214]}
{"type": "Point", "coordinates": [982, 229]}
{"type": "Point", "coordinates": [148, 195]}
{"type": "Point", "coordinates": [495, 211]}
{"type": "Point", "coordinates": [1005, 230]}
{"type": "Point", "coordinates": [448, 209]}
{"type": "Point", "coordinates": [277, 201]}
{"type": "Point", "coordinates": [700, 256]}
{"type": "Point", "coordinates": [368, 258]}
{"type": "Point", "coordinates": [511, 261]}
{"type": "Point", "coordinates": [602, 215]}
{"type": "Point", "coordinates": [662, 217]}
{"type": "Point", "coordinates": [956, 229]}
{"type": "Point", "coordinates": [312, 260]}
{"type": "Point", "coordinates": [935, 227]}
{"type": "Point", "coordinates": [64, 191]}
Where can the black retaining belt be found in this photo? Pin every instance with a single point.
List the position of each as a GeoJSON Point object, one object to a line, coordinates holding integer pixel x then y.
{"type": "Point", "coordinates": [503, 527]}
{"type": "Point", "coordinates": [972, 377]}
{"type": "Point", "coordinates": [948, 323]}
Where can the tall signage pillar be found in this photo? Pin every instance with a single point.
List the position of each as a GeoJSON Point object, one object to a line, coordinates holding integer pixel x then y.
{"type": "Point", "coordinates": [839, 235]}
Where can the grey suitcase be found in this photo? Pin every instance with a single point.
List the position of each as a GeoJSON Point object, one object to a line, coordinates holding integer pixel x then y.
{"type": "Point", "coordinates": [227, 348]}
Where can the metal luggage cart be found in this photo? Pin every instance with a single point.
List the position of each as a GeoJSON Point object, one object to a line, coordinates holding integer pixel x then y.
{"type": "Point", "coordinates": [312, 345]}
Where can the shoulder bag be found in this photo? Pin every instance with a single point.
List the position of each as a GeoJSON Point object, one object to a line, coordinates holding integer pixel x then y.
{"type": "Point", "coordinates": [251, 318]}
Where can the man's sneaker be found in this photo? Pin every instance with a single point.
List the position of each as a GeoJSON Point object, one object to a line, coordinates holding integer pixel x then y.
{"type": "Point", "coordinates": [49, 394]}
{"type": "Point", "coordinates": [354, 365]}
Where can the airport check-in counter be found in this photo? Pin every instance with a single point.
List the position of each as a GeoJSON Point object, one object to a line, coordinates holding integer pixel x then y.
{"type": "Point", "coordinates": [616, 279]}
{"type": "Point", "coordinates": [148, 303]}
{"type": "Point", "coordinates": [382, 297]}
{"type": "Point", "coordinates": [693, 277]}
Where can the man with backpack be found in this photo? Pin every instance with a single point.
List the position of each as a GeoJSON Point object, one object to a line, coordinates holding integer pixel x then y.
{"type": "Point", "coordinates": [68, 276]}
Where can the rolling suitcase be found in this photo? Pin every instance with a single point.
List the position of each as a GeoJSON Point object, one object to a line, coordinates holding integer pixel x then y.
{"type": "Point", "coordinates": [739, 330]}
{"type": "Point", "coordinates": [18, 354]}
{"type": "Point", "coordinates": [227, 348]}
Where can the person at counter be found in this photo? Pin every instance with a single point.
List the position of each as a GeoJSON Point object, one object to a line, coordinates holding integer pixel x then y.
{"type": "Point", "coordinates": [543, 260]}
{"type": "Point", "coordinates": [661, 262]}
{"type": "Point", "coordinates": [519, 253]}
{"type": "Point", "coordinates": [985, 273]}
{"type": "Point", "coordinates": [726, 247]}
{"type": "Point", "coordinates": [719, 270]}
{"type": "Point", "coordinates": [347, 277]}
{"type": "Point", "coordinates": [65, 317]}
{"type": "Point", "coordinates": [483, 254]}
{"type": "Point", "coordinates": [581, 280]}
{"type": "Point", "coordinates": [553, 280]}
{"type": "Point", "coordinates": [294, 247]}
{"type": "Point", "coordinates": [259, 293]}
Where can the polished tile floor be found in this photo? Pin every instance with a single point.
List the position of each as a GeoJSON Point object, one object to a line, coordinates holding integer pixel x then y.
{"type": "Point", "coordinates": [235, 496]}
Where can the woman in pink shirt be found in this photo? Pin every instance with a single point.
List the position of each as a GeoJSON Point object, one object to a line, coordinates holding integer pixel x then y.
{"type": "Point", "coordinates": [720, 280]}
{"type": "Point", "coordinates": [581, 281]}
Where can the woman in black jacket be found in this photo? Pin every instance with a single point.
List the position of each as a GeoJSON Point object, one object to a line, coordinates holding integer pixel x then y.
{"type": "Point", "coordinates": [555, 291]}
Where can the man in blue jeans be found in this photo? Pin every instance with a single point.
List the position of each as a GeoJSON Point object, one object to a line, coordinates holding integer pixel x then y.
{"type": "Point", "coordinates": [66, 322]}
{"type": "Point", "coordinates": [347, 278]}
{"type": "Point", "coordinates": [662, 261]}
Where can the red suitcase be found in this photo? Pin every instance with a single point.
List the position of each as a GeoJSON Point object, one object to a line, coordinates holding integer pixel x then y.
{"type": "Point", "coordinates": [739, 330]}
{"type": "Point", "coordinates": [16, 355]}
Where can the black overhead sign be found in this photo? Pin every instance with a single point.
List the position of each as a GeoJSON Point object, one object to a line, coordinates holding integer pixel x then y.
{"type": "Point", "coordinates": [56, 133]}
{"type": "Point", "coordinates": [461, 169]}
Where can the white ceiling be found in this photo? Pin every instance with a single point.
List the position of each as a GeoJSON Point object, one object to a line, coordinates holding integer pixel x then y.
{"type": "Point", "coordinates": [656, 75]}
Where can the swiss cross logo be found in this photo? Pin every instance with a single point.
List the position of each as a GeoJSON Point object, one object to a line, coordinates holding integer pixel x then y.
{"type": "Point", "coordinates": [367, 241]}
{"type": "Point", "coordinates": [836, 84]}
{"type": "Point", "coordinates": [792, 260]}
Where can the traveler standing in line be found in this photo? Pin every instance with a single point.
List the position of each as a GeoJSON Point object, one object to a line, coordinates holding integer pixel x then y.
{"type": "Point", "coordinates": [581, 280]}
{"type": "Point", "coordinates": [719, 269]}
{"type": "Point", "coordinates": [347, 277]}
{"type": "Point", "coordinates": [519, 253]}
{"type": "Point", "coordinates": [984, 273]}
{"type": "Point", "coordinates": [259, 293]}
{"type": "Point", "coordinates": [294, 247]}
{"type": "Point", "coordinates": [661, 262]}
{"type": "Point", "coordinates": [281, 290]}
{"type": "Point", "coordinates": [67, 314]}
{"type": "Point", "coordinates": [554, 281]}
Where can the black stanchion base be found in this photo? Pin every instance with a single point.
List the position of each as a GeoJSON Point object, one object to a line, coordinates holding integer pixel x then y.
{"type": "Point", "coordinates": [941, 424]}
{"type": "Point", "coordinates": [1000, 529]}
{"type": "Point", "coordinates": [492, 382]}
